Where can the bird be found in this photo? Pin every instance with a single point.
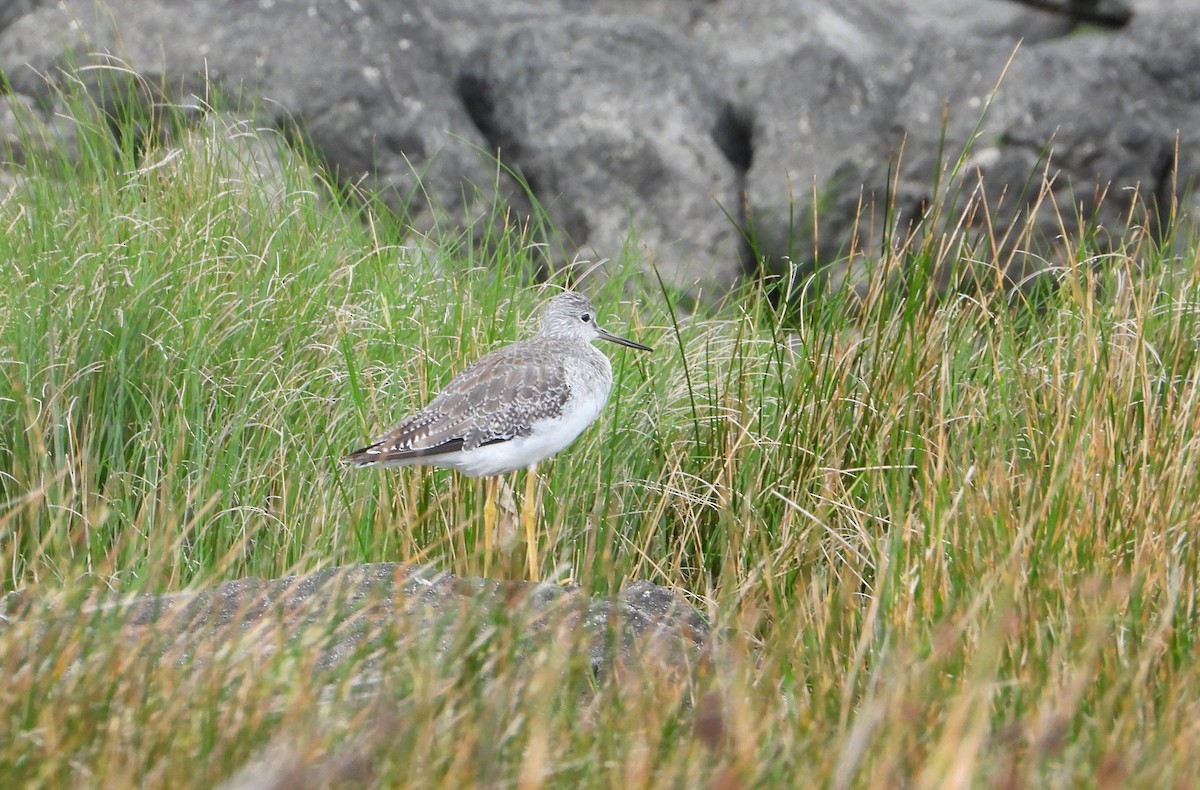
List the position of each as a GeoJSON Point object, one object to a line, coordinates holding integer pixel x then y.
{"type": "Point", "coordinates": [512, 408]}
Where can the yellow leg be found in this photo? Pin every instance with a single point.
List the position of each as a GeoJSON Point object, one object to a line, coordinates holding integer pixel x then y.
{"type": "Point", "coordinates": [528, 518]}
{"type": "Point", "coordinates": [489, 521]}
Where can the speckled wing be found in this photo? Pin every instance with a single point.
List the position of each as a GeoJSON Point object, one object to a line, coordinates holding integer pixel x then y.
{"type": "Point", "coordinates": [494, 400]}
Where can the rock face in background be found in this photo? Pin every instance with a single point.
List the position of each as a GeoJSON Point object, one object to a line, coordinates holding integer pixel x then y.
{"type": "Point", "coordinates": [654, 143]}
{"type": "Point", "coordinates": [723, 135]}
{"type": "Point", "coordinates": [12, 10]}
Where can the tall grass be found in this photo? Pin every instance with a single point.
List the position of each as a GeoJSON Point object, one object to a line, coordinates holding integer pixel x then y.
{"type": "Point", "coordinates": [947, 540]}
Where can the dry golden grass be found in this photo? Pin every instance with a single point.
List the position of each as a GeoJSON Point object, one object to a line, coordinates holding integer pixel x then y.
{"type": "Point", "coordinates": [947, 542]}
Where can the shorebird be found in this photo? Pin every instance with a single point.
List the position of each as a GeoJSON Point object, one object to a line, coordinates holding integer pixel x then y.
{"type": "Point", "coordinates": [512, 408]}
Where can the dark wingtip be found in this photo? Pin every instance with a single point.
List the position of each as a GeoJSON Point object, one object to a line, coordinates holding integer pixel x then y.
{"type": "Point", "coordinates": [360, 458]}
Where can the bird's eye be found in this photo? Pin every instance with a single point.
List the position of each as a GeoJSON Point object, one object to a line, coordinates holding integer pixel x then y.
{"type": "Point", "coordinates": [585, 318]}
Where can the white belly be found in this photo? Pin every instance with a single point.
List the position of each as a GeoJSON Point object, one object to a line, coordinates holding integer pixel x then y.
{"type": "Point", "coordinates": [547, 438]}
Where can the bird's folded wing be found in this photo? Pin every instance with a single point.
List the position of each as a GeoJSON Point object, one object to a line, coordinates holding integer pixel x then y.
{"type": "Point", "coordinates": [496, 399]}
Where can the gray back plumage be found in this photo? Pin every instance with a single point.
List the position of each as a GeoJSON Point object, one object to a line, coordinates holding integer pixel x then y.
{"type": "Point", "coordinates": [505, 392]}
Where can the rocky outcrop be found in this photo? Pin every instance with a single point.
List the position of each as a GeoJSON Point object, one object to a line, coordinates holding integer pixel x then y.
{"type": "Point", "coordinates": [355, 615]}
{"type": "Point", "coordinates": [723, 136]}
{"type": "Point", "coordinates": [366, 87]}
{"type": "Point", "coordinates": [655, 144]}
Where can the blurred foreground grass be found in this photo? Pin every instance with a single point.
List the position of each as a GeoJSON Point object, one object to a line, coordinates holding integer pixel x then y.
{"type": "Point", "coordinates": [948, 541]}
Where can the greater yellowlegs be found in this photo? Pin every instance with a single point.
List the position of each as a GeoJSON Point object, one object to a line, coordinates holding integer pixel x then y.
{"type": "Point", "coordinates": [512, 408]}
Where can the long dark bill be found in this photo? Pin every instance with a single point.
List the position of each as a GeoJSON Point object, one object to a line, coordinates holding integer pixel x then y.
{"type": "Point", "coordinates": [624, 341]}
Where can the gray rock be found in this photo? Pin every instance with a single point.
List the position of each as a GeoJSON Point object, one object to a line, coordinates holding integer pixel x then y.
{"type": "Point", "coordinates": [614, 127]}
{"type": "Point", "coordinates": [12, 10]}
{"type": "Point", "coordinates": [1029, 21]}
{"type": "Point", "coordinates": [1076, 136]}
{"type": "Point", "coordinates": [362, 611]}
{"type": "Point", "coordinates": [363, 83]}
{"type": "Point", "coordinates": [690, 123]}
{"type": "Point", "coordinates": [1166, 47]}
{"type": "Point", "coordinates": [991, 19]}
{"type": "Point", "coordinates": [25, 126]}
{"type": "Point", "coordinates": [817, 187]}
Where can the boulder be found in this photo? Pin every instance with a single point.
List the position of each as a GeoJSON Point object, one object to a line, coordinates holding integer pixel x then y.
{"type": "Point", "coordinates": [365, 84]}
{"type": "Point", "coordinates": [721, 137]}
{"type": "Point", "coordinates": [615, 127]}
{"type": "Point", "coordinates": [356, 614]}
